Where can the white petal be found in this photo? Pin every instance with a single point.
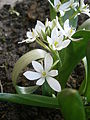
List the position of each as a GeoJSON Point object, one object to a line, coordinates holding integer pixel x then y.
{"type": "Point", "coordinates": [50, 41]}
{"type": "Point", "coordinates": [32, 75]}
{"type": "Point", "coordinates": [29, 34]}
{"type": "Point", "coordinates": [48, 61]}
{"type": "Point", "coordinates": [65, 6]}
{"type": "Point", "coordinates": [56, 2]}
{"type": "Point", "coordinates": [30, 40]}
{"type": "Point", "coordinates": [59, 26]}
{"type": "Point", "coordinates": [39, 26]}
{"type": "Point", "coordinates": [60, 38]}
{"type": "Point", "coordinates": [53, 73]}
{"type": "Point", "coordinates": [54, 84]}
{"type": "Point", "coordinates": [39, 23]}
{"type": "Point", "coordinates": [73, 39]}
{"type": "Point", "coordinates": [65, 43]}
{"type": "Point", "coordinates": [62, 13]}
{"type": "Point", "coordinates": [54, 34]}
{"type": "Point", "coordinates": [40, 81]}
{"type": "Point", "coordinates": [66, 25]}
{"type": "Point", "coordinates": [37, 66]}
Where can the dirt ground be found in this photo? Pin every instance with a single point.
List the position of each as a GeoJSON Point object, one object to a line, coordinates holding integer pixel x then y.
{"type": "Point", "coordinates": [12, 30]}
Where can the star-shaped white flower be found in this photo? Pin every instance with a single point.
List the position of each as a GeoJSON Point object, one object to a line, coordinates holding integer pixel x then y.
{"type": "Point", "coordinates": [84, 8]}
{"type": "Point", "coordinates": [68, 30]}
{"type": "Point", "coordinates": [56, 41]}
{"type": "Point", "coordinates": [31, 36]}
{"type": "Point", "coordinates": [45, 73]}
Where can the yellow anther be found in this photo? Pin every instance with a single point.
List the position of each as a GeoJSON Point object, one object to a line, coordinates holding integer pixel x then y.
{"type": "Point", "coordinates": [43, 73]}
{"type": "Point", "coordinates": [56, 43]}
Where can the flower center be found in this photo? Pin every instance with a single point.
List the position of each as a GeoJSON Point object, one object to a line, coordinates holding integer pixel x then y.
{"type": "Point", "coordinates": [56, 43]}
{"type": "Point", "coordinates": [43, 73]}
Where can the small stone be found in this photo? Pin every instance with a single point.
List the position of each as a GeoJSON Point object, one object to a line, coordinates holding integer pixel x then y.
{"type": "Point", "coordinates": [1, 49]}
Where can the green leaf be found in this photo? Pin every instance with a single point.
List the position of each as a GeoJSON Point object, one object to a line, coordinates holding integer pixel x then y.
{"type": "Point", "coordinates": [71, 105]}
{"type": "Point", "coordinates": [70, 15]}
{"type": "Point", "coordinates": [75, 52]}
{"type": "Point", "coordinates": [34, 100]}
{"type": "Point", "coordinates": [87, 110]}
{"type": "Point", "coordinates": [83, 86]}
{"type": "Point", "coordinates": [21, 64]}
{"type": "Point", "coordinates": [47, 90]}
{"type": "Point", "coordinates": [87, 93]}
{"type": "Point", "coordinates": [52, 12]}
{"type": "Point", "coordinates": [26, 90]}
{"type": "Point", "coordinates": [85, 25]}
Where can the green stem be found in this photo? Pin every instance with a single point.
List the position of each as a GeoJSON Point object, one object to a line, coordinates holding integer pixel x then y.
{"type": "Point", "coordinates": [73, 16]}
{"type": "Point", "coordinates": [42, 44]}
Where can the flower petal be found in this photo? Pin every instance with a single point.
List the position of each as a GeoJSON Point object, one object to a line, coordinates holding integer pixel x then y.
{"type": "Point", "coordinates": [56, 2]}
{"type": "Point", "coordinates": [39, 26]}
{"type": "Point", "coordinates": [54, 34]}
{"type": "Point", "coordinates": [50, 41]}
{"type": "Point", "coordinates": [65, 43]}
{"type": "Point", "coordinates": [32, 75]}
{"type": "Point", "coordinates": [40, 81]}
{"type": "Point", "coordinates": [53, 73]}
{"type": "Point", "coordinates": [29, 34]}
{"type": "Point", "coordinates": [65, 6]}
{"type": "Point", "coordinates": [66, 25]}
{"type": "Point", "coordinates": [37, 66]}
{"type": "Point", "coordinates": [48, 61]}
{"type": "Point", "coordinates": [54, 84]}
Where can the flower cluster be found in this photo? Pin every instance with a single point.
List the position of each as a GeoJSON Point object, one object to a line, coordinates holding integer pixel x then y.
{"type": "Point", "coordinates": [51, 34]}
{"type": "Point", "coordinates": [57, 38]}
{"type": "Point", "coordinates": [71, 4]}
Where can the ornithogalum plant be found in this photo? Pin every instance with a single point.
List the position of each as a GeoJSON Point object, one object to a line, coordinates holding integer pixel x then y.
{"type": "Point", "coordinates": [65, 44]}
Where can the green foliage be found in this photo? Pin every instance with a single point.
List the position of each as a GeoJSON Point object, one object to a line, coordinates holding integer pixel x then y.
{"type": "Point", "coordinates": [87, 92]}
{"type": "Point", "coordinates": [71, 105]}
{"type": "Point", "coordinates": [21, 64]}
{"type": "Point", "coordinates": [73, 54]}
{"type": "Point", "coordinates": [29, 99]}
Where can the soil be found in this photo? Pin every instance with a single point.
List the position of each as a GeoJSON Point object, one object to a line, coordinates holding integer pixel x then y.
{"type": "Point", "coordinates": [12, 30]}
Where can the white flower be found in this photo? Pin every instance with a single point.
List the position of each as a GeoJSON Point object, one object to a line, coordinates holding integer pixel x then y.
{"type": "Point", "coordinates": [84, 8]}
{"type": "Point", "coordinates": [31, 36]}
{"type": "Point", "coordinates": [56, 41]}
{"type": "Point", "coordinates": [44, 73]}
{"type": "Point", "coordinates": [68, 30]}
{"type": "Point", "coordinates": [62, 8]}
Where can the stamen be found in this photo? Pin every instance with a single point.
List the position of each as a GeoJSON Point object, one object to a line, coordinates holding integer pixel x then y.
{"type": "Point", "coordinates": [43, 73]}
